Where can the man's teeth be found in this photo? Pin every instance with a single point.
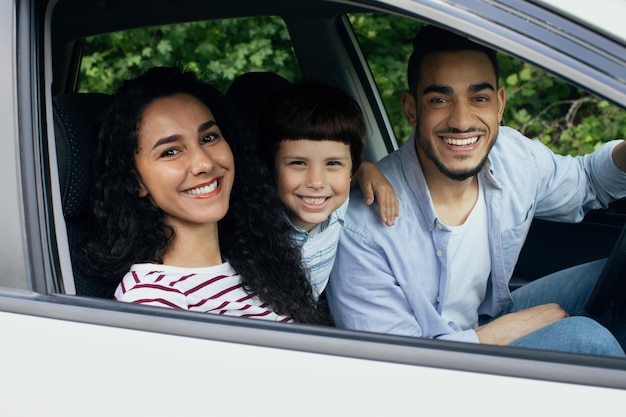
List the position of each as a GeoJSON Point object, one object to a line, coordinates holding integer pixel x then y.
{"type": "Point", "coordinates": [202, 190]}
{"type": "Point", "coordinates": [314, 200]}
{"type": "Point", "coordinates": [461, 142]}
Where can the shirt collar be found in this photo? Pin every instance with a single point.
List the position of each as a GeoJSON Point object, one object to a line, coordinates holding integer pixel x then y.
{"type": "Point", "coordinates": [338, 215]}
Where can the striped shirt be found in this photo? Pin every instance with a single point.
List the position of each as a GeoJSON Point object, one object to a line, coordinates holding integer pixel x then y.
{"type": "Point", "coordinates": [215, 289]}
{"type": "Point", "coordinates": [319, 247]}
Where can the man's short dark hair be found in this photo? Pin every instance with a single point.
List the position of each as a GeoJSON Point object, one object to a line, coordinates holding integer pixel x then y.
{"type": "Point", "coordinates": [432, 39]}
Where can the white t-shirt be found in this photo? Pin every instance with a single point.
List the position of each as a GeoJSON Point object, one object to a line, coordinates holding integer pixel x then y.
{"type": "Point", "coordinates": [215, 289]}
{"type": "Point", "coordinates": [470, 259]}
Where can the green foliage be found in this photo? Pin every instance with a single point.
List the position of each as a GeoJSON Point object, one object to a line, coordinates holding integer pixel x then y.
{"type": "Point", "coordinates": [387, 44]}
{"type": "Point", "coordinates": [220, 49]}
{"type": "Point", "coordinates": [566, 119]}
{"type": "Point", "coordinates": [541, 106]}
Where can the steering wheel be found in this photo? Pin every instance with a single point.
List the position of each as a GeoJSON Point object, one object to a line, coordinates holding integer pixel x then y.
{"type": "Point", "coordinates": [610, 290]}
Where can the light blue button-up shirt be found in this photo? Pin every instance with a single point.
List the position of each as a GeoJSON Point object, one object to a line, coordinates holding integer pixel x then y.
{"type": "Point", "coordinates": [393, 279]}
{"type": "Point", "coordinates": [319, 247]}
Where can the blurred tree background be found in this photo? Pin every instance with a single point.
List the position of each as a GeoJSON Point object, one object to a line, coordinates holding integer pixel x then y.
{"type": "Point", "coordinates": [543, 107]}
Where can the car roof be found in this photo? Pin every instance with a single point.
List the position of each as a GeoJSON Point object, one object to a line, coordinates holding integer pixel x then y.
{"type": "Point", "coordinates": [84, 18]}
{"type": "Point", "coordinates": [605, 16]}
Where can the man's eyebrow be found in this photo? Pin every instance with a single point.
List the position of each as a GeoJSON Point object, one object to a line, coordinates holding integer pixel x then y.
{"type": "Point", "coordinates": [436, 88]}
{"type": "Point", "coordinates": [474, 88]}
{"type": "Point", "coordinates": [444, 89]}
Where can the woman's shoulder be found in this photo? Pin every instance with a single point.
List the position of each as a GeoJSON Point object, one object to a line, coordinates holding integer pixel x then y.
{"type": "Point", "coordinates": [149, 272]}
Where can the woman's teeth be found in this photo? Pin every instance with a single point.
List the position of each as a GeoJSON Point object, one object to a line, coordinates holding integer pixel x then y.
{"type": "Point", "coordinates": [202, 190]}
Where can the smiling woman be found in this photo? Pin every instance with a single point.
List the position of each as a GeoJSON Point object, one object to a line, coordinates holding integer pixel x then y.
{"type": "Point", "coordinates": [164, 155]}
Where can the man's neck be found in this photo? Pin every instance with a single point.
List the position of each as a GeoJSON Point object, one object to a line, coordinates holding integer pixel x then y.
{"type": "Point", "coordinates": [453, 200]}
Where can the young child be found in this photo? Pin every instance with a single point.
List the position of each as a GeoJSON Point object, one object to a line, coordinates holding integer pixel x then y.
{"type": "Point", "coordinates": [313, 137]}
{"type": "Point", "coordinates": [182, 210]}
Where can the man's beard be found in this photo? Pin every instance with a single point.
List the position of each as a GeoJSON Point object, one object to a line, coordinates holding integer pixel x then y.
{"type": "Point", "coordinates": [426, 147]}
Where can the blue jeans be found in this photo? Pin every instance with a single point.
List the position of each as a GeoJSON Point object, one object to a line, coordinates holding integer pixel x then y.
{"type": "Point", "coordinates": [569, 288]}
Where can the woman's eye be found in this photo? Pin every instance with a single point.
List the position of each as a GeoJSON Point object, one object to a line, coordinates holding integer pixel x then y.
{"type": "Point", "coordinates": [210, 137]}
{"type": "Point", "coordinates": [169, 152]}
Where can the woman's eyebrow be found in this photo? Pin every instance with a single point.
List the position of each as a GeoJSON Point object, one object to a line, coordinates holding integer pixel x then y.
{"type": "Point", "coordinates": [206, 125]}
{"type": "Point", "coordinates": [173, 138]}
{"type": "Point", "coordinates": [166, 140]}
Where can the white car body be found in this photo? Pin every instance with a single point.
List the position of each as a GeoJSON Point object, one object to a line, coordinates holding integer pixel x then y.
{"type": "Point", "coordinates": [64, 355]}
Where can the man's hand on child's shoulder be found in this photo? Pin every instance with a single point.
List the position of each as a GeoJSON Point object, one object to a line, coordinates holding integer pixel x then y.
{"type": "Point", "coordinates": [375, 187]}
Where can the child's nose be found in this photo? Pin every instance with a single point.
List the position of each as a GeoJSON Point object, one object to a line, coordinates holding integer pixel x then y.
{"type": "Point", "coordinates": [316, 178]}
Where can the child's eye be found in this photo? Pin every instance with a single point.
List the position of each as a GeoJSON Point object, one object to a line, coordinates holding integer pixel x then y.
{"type": "Point", "coordinates": [296, 163]}
{"type": "Point", "coordinates": [334, 163]}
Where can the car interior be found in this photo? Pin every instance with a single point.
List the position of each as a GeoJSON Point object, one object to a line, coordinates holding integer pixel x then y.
{"type": "Point", "coordinates": [75, 113]}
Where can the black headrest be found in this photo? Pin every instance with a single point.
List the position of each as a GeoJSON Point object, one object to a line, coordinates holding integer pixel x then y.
{"type": "Point", "coordinates": [75, 130]}
{"type": "Point", "coordinates": [75, 117]}
{"type": "Point", "coordinates": [248, 92]}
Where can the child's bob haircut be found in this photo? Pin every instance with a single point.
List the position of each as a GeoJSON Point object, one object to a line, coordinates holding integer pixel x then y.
{"type": "Point", "coordinates": [313, 111]}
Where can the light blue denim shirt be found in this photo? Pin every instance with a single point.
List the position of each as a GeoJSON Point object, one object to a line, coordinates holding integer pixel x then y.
{"type": "Point", "coordinates": [319, 247]}
{"type": "Point", "coordinates": [393, 279]}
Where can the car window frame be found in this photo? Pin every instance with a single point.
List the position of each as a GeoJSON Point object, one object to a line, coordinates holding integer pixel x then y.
{"type": "Point", "coordinates": [41, 298]}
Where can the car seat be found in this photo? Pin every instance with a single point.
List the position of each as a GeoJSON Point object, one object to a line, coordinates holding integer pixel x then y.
{"type": "Point", "coordinates": [75, 117]}
{"type": "Point", "coordinates": [249, 91]}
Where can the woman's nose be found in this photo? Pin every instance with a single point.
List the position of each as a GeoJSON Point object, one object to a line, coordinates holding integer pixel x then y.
{"type": "Point", "coordinates": [201, 161]}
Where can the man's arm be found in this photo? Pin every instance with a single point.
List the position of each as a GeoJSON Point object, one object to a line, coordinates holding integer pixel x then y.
{"type": "Point", "coordinates": [572, 186]}
{"type": "Point", "coordinates": [619, 156]}
{"type": "Point", "coordinates": [374, 185]}
{"type": "Point", "coordinates": [363, 294]}
{"type": "Point", "coordinates": [510, 327]}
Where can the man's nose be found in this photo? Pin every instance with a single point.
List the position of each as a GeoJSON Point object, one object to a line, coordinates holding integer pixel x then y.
{"type": "Point", "coordinates": [460, 116]}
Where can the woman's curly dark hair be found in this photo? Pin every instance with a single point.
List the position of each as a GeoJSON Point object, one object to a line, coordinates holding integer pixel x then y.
{"type": "Point", "coordinates": [254, 235]}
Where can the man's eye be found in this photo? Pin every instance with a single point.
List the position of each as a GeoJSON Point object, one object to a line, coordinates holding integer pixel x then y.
{"type": "Point", "coordinates": [438, 100]}
{"type": "Point", "coordinates": [482, 99]}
